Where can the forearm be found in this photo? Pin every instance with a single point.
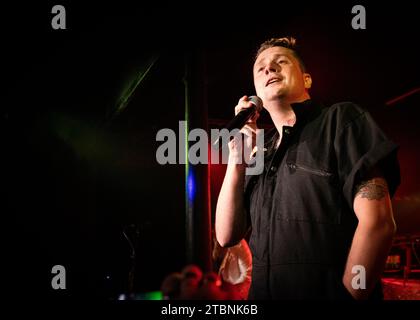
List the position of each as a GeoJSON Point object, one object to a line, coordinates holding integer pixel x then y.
{"type": "Point", "coordinates": [231, 220]}
{"type": "Point", "coordinates": [369, 250]}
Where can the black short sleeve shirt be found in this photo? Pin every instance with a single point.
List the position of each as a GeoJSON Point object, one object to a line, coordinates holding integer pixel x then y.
{"type": "Point", "coordinates": [300, 207]}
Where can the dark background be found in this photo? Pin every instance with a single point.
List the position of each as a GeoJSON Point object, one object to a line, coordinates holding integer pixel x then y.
{"type": "Point", "coordinates": [76, 174]}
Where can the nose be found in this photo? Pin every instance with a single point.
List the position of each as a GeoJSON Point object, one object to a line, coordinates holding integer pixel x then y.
{"type": "Point", "coordinates": [271, 67]}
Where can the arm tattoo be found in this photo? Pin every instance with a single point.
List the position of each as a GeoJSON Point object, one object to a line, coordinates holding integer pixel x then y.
{"type": "Point", "coordinates": [374, 189]}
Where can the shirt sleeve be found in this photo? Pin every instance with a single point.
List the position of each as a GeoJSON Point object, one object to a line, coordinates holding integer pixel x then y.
{"type": "Point", "coordinates": [360, 145]}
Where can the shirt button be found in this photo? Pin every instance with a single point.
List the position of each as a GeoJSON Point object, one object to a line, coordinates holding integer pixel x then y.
{"type": "Point", "coordinates": [287, 131]}
{"type": "Point", "coordinates": [273, 169]}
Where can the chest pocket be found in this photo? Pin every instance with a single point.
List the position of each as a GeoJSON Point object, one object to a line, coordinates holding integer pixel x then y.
{"type": "Point", "coordinates": [306, 191]}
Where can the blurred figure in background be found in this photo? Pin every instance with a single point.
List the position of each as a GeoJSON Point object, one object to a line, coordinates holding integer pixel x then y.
{"type": "Point", "coordinates": [192, 284]}
{"type": "Point", "coordinates": [234, 265]}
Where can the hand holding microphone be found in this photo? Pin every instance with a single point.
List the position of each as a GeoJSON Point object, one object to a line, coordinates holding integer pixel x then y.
{"type": "Point", "coordinates": [246, 114]}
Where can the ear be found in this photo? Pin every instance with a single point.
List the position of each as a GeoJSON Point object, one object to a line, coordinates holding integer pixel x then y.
{"type": "Point", "coordinates": [307, 80]}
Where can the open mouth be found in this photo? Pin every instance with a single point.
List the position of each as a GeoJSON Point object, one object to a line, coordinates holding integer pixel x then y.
{"type": "Point", "coordinates": [273, 80]}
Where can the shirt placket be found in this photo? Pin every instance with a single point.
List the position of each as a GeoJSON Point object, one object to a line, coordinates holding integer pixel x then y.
{"type": "Point", "coordinates": [270, 180]}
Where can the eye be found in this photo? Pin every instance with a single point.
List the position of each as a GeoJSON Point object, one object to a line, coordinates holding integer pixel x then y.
{"type": "Point", "coordinates": [283, 61]}
{"type": "Point", "coordinates": [261, 68]}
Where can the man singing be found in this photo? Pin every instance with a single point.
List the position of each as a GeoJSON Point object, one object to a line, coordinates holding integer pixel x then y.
{"type": "Point", "coordinates": [320, 213]}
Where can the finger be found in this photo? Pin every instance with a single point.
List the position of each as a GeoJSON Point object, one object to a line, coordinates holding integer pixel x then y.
{"type": "Point", "coordinates": [243, 105]}
{"type": "Point", "coordinates": [244, 98]}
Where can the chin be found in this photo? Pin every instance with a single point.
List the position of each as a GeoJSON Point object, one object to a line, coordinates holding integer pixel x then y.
{"type": "Point", "coordinates": [272, 96]}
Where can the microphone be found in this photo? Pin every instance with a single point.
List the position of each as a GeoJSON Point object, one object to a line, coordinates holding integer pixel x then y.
{"type": "Point", "coordinates": [243, 116]}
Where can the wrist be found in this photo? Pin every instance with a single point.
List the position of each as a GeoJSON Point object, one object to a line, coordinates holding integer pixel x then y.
{"type": "Point", "coordinates": [236, 166]}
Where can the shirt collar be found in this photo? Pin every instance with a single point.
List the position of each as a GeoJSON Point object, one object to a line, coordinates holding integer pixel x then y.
{"type": "Point", "coordinates": [305, 111]}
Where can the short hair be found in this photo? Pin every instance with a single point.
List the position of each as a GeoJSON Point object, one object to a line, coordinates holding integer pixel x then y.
{"type": "Point", "coordinates": [285, 42]}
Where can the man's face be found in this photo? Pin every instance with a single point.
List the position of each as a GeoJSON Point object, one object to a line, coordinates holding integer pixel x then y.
{"type": "Point", "coordinates": [277, 75]}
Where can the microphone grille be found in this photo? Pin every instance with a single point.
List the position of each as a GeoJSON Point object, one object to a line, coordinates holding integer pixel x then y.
{"type": "Point", "coordinates": [257, 102]}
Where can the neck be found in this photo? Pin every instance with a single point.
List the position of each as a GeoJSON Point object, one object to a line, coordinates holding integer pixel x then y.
{"type": "Point", "coordinates": [281, 112]}
{"type": "Point", "coordinates": [283, 116]}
